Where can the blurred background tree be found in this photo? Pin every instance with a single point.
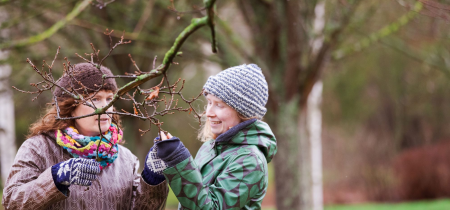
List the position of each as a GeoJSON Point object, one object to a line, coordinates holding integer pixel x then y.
{"type": "Point", "coordinates": [384, 67]}
{"type": "Point", "coordinates": [7, 144]}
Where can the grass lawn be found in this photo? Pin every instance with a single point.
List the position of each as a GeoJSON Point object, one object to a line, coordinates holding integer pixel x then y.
{"type": "Point", "coordinates": [172, 201]}
{"type": "Point", "coordinates": [420, 205]}
{"type": "Point", "coordinates": [444, 204]}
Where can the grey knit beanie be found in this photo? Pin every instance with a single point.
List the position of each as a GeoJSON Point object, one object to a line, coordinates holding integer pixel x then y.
{"type": "Point", "coordinates": [89, 76]}
{"type": "Point", "coordinates": [243, 88]}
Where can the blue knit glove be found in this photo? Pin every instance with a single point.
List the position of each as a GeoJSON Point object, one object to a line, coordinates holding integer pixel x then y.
{"type": "Point", "coordinates": [153, 167]}
{"type": "Point", "coordinates": [172, 151]}
{"type": "Point", "coordinates": [76, 171]}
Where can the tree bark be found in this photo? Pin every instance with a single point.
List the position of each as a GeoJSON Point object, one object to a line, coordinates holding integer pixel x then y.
{"type": "Point", "coordinates": [7, 132]}
{"type": "Point", "coordinates": [287, 161]}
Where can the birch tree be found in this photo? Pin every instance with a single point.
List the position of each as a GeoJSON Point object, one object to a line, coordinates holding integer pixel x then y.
{"type": "Point", "coordinates": [7, 133]}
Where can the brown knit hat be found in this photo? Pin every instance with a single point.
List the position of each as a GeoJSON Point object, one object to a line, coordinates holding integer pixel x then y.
{"type": "Point", "coordinates": [89, 76]}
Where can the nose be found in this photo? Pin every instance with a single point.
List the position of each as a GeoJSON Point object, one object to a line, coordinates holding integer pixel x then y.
{"type": "Point", "coordinates": [110, 109]}
{"type": "Point", "coordinates": [100, 104]}
{"type": "Point", "coordinates": [209, 112]}
{"type": "Point", "coordinates": [103, 103]}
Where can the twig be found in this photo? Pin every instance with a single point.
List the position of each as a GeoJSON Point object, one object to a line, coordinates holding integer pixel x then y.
{"type": "Point", "coordinates": [82, 96]}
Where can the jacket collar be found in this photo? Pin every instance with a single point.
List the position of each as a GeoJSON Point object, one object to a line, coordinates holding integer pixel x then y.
{"type": "Point", "coordinates": [229, 134]}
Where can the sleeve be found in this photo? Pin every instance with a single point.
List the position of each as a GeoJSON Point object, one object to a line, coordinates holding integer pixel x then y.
{"type": "Point", "coordinates": [242, 179]}
{"type": "Point", "coordinates": [28, 185]}
{"type": "Point", "coordinates": [147, 196]}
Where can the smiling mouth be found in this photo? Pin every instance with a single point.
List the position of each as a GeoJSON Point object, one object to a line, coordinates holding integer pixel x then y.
{"type": "Point", "coordinates": [216, 122]}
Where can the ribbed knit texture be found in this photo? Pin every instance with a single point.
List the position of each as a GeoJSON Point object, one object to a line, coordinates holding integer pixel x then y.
{"type": "Point", "coordinates": [244, 88]}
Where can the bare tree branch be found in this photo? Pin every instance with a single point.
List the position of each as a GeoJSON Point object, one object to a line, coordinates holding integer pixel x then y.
{"type": "Point", "coordinates": [150, 96]}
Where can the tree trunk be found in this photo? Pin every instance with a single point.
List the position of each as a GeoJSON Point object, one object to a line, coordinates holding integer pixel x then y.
{"type": "Point", "coordinates": [288, 158]}
{"type": "Point", "coordinates": [314, 117]}
{"type": "Point", "coordinates": [298, 163]}
{"type": "Point", "coordinates": [314, 123]}
{"type": "Point", "coordinates": [7, 135]}
{"type": "Point", "coordinates": [310, 149]}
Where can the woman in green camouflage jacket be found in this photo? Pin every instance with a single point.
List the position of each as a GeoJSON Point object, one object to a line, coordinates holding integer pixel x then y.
{"type": "Point", "coordinates": [230, 169]}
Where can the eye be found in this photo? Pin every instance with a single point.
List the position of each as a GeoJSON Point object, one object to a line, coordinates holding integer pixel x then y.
{"type": "Point", "coordinates": [109, 99]}
{"type": "Point", "coordinates": [95, 99]}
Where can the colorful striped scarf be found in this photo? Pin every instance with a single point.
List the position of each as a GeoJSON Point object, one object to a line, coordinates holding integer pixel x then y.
{"type": "Point", "coordinates": [87, 146]}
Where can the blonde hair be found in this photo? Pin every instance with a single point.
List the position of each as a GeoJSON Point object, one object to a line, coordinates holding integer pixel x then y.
{"type": "Point", "coordinates": [205, 132]}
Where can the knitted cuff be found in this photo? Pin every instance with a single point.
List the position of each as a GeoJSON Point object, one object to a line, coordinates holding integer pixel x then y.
{"type": "Point", "coordinates": [62, 188]}
{"type": "Point", "coordinates": [152, 178]}
{"type": "Point", "coordinates": [170, 154]}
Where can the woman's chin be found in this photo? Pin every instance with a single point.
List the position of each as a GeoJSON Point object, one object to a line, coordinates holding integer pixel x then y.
{"type": "Point", "coordinates": [217, 133]}
{"type": "Point", "coordinates": [105, 128]}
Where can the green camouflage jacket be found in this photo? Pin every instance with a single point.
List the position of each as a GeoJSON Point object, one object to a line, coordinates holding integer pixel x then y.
{"type": "Point", "coordinates": [227, 173]}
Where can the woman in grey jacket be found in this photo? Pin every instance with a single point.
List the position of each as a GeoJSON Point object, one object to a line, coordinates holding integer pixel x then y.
{"type": "Point", "coordinates": [65, 165]}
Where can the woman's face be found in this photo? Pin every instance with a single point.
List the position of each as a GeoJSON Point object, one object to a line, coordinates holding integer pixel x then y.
{"type": "Point", "coordinates": [88, 126]}
{"type": "Point", "coordinates": [221, 116]}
